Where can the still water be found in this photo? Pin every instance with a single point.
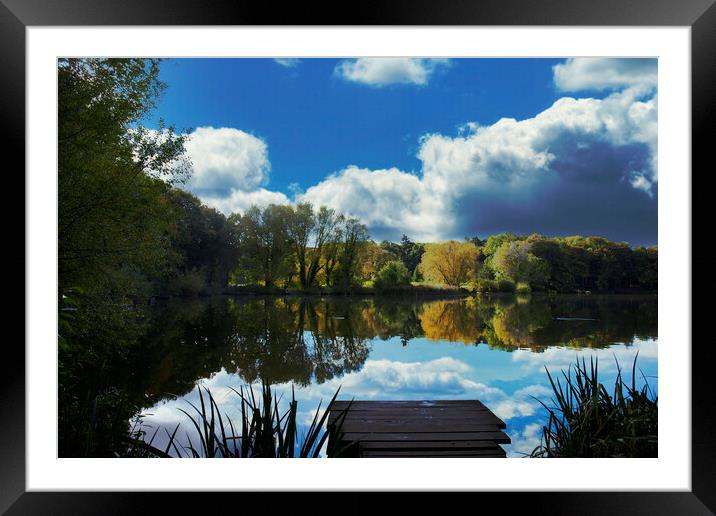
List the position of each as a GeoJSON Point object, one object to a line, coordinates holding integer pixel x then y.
{"type": "Point", "coordinates": [494, 349]}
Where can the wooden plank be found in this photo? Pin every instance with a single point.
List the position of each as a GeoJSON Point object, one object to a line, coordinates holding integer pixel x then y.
{"type": "Point", "coordinates": [465, 409]}
{"type": "Point", "coordinates": [430, 453]}
{"type": "Point", "coordinates": [496, 437]}
{"type": "Point", "coordinates": [371, 404]}
{"type": "Point", "coordinates": [370, 425]}
{"type": "Point", "coordinates": [437, 425]}
{"type": "Point", "coordinates": [412, 409]}
{"type": "Point", "coordinates": [418, 425]}
{"type": "Point", "coordinates": [428, 445]}
{"type": "Point", "coordinates": [479, 419]}
{"type": "Point", "coordinates": [484, 417]}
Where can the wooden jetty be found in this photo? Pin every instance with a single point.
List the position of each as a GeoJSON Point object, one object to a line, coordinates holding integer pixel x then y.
{"type": "Point", "coordinates": [441, 428]}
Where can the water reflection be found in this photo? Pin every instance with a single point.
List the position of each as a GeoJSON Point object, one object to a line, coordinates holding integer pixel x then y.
{"type": "Point", "coordinates": [388, 349]}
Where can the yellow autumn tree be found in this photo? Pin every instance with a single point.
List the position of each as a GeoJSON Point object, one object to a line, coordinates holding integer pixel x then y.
{"type": "Point", "coordinates": [452, 262]}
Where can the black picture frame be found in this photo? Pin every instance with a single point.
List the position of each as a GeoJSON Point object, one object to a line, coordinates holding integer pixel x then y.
{"type": "Point", "coordinates": [700, 15]}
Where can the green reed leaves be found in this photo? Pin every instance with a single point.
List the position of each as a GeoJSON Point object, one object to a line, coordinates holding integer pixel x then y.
{"type": "Point", "coordinates": [263, 432]}
{"type": "Point", "coordinates": [585, 420]}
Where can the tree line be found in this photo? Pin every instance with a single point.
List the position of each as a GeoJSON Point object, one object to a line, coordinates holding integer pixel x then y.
{"type": "Point", "coordinates": [523, 263]}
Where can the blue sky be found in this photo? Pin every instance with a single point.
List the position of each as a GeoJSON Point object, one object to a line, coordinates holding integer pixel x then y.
{"type": "Point", "coordinates": [434, 148]}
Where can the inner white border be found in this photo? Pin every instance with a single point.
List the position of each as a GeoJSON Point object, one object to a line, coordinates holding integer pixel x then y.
{"type": "Point", "coordinates": [672, 470]}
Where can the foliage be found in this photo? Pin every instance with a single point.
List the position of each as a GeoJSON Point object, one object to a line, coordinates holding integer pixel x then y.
{"type": "Point", "coordinates": [393, 274]}
{"type": "Point", "coordinates": [311, 235]}
{"type": "Point", "coordinates": [265, 248]}
{"type": "Point", "coordinates": [112, 174]}
{"type": "Point", "coordinates": [569, 264]}
{"type": "Point", "coordinates": [515, 261]}
{"type": "Point", "coordinates": [373, 259]}
{"type": "Point", "coordinates": [586, 421]}
{"type": "Point", "coordinates": [506, 285]}
{"type": "Point", "coordinates": [523, 288]}
{"type": "Point", "coordinates": [485, 285]}
{"type": "Point", "coordinates": [354, 237]}
{"type": "Point", "coordinates": [188, 284]}
{"type": "Point", "coordinates": [406, 251]}
{"type": "Point", "coordinates": [203, 242]}
{"type": "Point", "coordinates": [452, 262]}
{"type": "Point", "coordinates": [278, 243]}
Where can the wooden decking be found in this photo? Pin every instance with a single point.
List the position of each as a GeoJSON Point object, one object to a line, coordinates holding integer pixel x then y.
{"type": "Point", "coordinates": [444, 428]}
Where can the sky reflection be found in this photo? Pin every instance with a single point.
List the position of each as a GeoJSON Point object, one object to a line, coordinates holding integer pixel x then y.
{"type": "Point", "coordinates": [508, 382]}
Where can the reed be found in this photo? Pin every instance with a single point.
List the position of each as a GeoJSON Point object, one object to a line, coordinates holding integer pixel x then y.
{"type": "Point", "coordinates": [264, 431]}
{"type": "Point", "coordinates": [585, 420]}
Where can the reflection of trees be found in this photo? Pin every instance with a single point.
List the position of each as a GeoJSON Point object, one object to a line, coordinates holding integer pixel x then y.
{"type": "Point", "coordinates": [337, 348]}
{"type": "Point", "coordinates": [509, 322]}
{"type": "Point", "coordinates": [305, 340]}
{"type": "Point", "coordinates": [273, 339]}
{"type": "Point", "coordinates": [269, 343]}
{"type": "Point", "coordinates": [397, 319]}
{"type": "Point", "coordinates": [518, 325]}
{"type": "Point", "coordinates": [454, 320]}
{"type": "Point", "coordinates": [574, 321]}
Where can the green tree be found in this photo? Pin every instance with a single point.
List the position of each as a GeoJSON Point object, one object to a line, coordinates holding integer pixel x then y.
{"type": "Point", "coordinates": [300, 226]}
{"type": "Point", "coordinates": [201, 238]}
{"type": "Point", "coordinates": [113, 175]}
{"type": "Point", "coordinates": [326, 233]}
{"type": "Point", "coordinates": [354, 237]}
{"type": "Point", "coordinates": [265, 248]}
{"type": "Point", "coordinates": [393, 274]}
{"type": "Point", "coordinates": [646, 261]}
{"type": "Point", "coordinates": [515, 260]}
{"type": "Point", "coordinates": [406, 251]}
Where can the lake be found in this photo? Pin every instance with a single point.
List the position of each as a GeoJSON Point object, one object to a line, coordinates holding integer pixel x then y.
{"type": "Point", "coordinates": [491, 348]}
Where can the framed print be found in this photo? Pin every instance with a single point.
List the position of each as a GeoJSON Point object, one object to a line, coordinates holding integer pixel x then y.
{"type": "Point", "coordinates": [421, 235]}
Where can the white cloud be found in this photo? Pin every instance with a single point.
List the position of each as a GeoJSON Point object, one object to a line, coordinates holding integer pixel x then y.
{"type": "Point", "coordinates": [229, 169]}
{"type": "Point", "coordinates": [491, 173]}
{"type": "Point", "coordinates": [509, 408]}
{"type": "Point", "coordinates": [524, 441]}
{"type": "Point", "coordinates": [225, 158]}
{"type": "Point", "coordinates": [558, 359]}
{"type": "Point", "coordinates": [382, 199]}
{"type": "Point", "coordinates": [381, 71]}
{"type": "Point", "coordinates": [239, 200]}
{"type": "Point", "coordinates": [593, 73]}
{"type": "Point", "coordinates": [288, 62]}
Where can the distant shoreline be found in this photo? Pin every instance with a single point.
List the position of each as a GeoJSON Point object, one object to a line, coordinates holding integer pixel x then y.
{"type": "Point", "coordinates": [416, 292]}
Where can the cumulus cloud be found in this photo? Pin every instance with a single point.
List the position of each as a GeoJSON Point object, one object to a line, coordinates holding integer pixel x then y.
{"type": "Point", "coordinates": [229, 169]}
{"type": "Point", "coordinates": [581, 166]}
{"type": "Point", "coordinates": [561, 358]}
{"type": "Point", "coordinates": [381, 71]}
{"type": "Point", "coordinates": [225, 158]}
{"type": "Point", "coordinates": [596, 73]}
{"type": "Point", "coordinates": [238, 201]}
{"type": "Point", "coordinates": [288, 62]}
{"type": "Point", "coordinates": [524, 440]}
{"type": "Point", "coordinates": [441, 378]}
{"type": "Point", "coordinates": [384, 200]}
